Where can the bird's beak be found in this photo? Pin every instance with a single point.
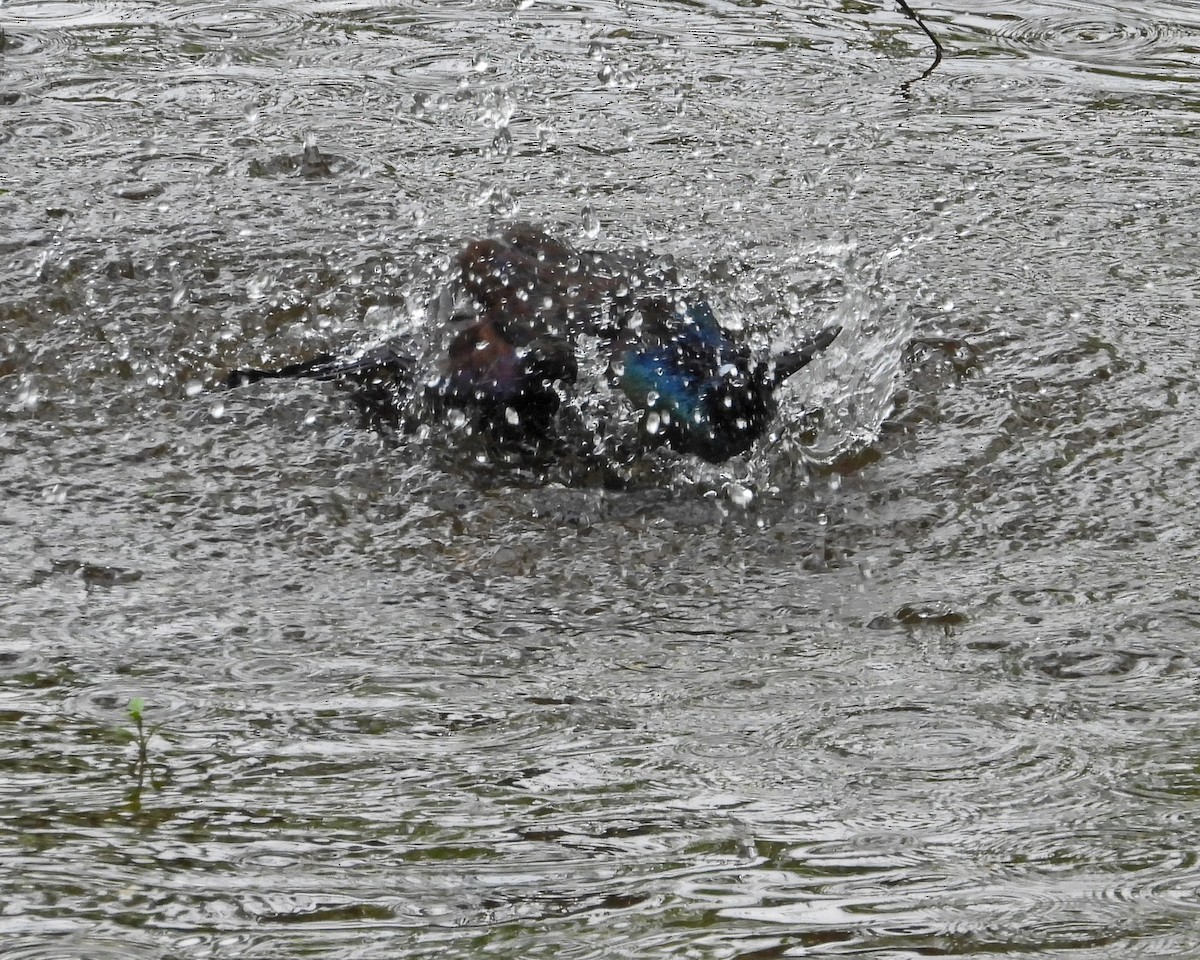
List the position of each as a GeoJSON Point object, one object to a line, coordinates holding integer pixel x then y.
{"type": "Point", "coordinates": [793, 361]}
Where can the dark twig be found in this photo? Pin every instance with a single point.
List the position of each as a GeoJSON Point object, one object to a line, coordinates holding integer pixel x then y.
{"type": "Point", "coordinates": [938, 50]}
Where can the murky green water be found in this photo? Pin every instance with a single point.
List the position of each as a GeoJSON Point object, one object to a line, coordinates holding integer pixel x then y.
{"type": "Point", "coordinates": [919, 679]}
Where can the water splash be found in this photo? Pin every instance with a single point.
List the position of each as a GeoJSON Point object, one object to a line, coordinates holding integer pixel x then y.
{"type": "Point", "coordinates": [855, 382]}
{"type": "Point", "coordinates": [836, 409]}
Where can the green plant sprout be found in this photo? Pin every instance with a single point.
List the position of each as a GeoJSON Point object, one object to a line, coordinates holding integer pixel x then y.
{"type": "Point", "coordinates": [136, 707]}
{"type": "Point", "coordinates": [136, 710]}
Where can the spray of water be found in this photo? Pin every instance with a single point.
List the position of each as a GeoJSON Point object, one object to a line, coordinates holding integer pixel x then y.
{"type": "Point", "coordinates": [833, 409]}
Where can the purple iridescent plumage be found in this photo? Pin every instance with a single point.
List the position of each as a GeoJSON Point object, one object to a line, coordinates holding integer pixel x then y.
{"type": "Point", "coordinates": [530, 303]}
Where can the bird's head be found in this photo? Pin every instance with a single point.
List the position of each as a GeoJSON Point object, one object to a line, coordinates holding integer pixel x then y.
{"type": "Point", "coordinates": [714, 416]}
{"type": "Point", "coordinates": [731, 411]}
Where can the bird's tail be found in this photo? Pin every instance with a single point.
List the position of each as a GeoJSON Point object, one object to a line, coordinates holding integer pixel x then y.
{"type": "Point", "coordinates": [786, 364]}
{"type": "Point", "coordinates": [385, 359]}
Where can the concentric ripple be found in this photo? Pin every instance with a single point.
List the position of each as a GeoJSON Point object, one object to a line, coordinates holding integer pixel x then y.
{"type": "Point", "coordinates": [45, 16]}
{"type": "Point", "coordinates": [54, 126]}
{"type": "Point", "coordinates": [1100, 42]}
{"type": "Point", "coordinates": [254, 23]}
{"type": "Point", "coordinates": [54, 943]}
{"type": "Point", "coordinates": [1126, 44]}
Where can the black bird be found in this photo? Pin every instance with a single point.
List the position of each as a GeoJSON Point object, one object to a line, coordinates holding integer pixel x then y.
{"type": "Point", "coordinates": [529, 301]}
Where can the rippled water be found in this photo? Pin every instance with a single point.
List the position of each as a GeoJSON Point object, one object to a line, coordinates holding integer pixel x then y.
{"type": "Point", "coordinates": [915, 679]}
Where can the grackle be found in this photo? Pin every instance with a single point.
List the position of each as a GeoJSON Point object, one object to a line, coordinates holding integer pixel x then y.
{"type": "Point", "coordinates": [528, 306]}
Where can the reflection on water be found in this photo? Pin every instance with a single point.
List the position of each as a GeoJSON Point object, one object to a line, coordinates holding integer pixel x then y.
{"type": "Point", "coordinates": [914, 678]}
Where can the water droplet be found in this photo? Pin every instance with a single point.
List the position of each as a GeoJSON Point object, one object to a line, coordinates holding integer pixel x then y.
{"type": "Point", "coordinates": [217, 409]}
{"type": "Point", "coordinates": [193, 388]}
{"type": "Point", "coordinates": [28, 396]}
{"type": "Point", "coordinates": [256, 289]}
{"type": "Point", "coordinates": [740, 495]}
{"type": "Point", "coordinates": [591, 223]}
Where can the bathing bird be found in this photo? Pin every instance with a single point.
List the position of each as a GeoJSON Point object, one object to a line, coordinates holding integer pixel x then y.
{"type": "Point", "coordinates": [529, 306]}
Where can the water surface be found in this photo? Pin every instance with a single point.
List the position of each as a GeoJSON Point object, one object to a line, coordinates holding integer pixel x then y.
{"type": "Point", "coordinates": [914, 679]}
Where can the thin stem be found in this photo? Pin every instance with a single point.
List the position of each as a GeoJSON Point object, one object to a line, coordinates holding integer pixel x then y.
{"type": "Point", "coordinates": [937, 44]}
